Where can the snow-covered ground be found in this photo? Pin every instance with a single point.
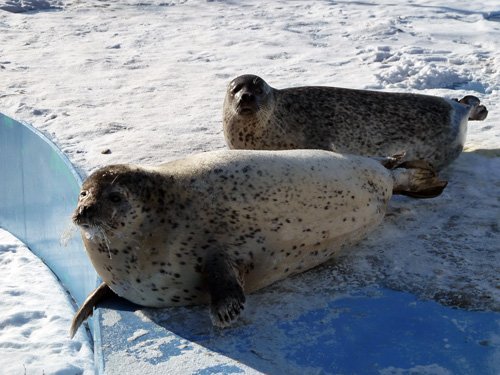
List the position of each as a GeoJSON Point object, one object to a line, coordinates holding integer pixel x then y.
{"type": "Point", "coordinates": [146, 79]}
{"type": "Point", "coordinates": [34, 318]}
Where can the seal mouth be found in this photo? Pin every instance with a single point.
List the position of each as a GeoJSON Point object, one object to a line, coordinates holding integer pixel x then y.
{"type": "Point", "coordinates": [81, 219]}
{"type": "Point", "coordinates": [246, 109]}
{"type": "Point", "coordinates": [77, 220]}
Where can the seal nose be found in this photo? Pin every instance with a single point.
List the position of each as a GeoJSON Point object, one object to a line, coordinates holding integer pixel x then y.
{"type": "Point", "coordinates": [247, 97]}
{"type": "Point", "coordinates": [82, 214]}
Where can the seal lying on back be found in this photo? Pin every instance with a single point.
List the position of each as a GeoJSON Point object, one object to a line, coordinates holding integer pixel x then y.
{"type": "Point", "coordinates": [214, 226]}
{"type": "Point", "coordinates": [259, 117]}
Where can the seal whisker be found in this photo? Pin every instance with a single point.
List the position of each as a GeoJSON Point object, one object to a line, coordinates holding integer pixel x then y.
{"type": "Point", "coordinates": [102, 233]}
{"type": "Point", "coordinates": [114, 180]}
{"type": "Point", "coordinates": [106, 228]}
{"type": "Point", "coordinates": [67, 234]}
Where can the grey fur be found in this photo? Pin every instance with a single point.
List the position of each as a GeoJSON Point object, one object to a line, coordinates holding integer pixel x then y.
{"type": "Point", "coordinates": [259, 117]}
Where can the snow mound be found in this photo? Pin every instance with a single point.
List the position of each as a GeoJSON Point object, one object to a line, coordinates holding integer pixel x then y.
{"type": "Point", "coordinates": [421, 75]}
{"type": "Point", "coordinates": [417, 68]}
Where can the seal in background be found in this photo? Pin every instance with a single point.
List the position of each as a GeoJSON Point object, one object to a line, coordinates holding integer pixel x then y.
{"type": "Point", "coordinates": [371, 123]}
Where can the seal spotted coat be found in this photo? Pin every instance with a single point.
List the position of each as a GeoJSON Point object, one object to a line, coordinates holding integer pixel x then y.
{"type": "Point", "coordinates": [371, 123]}
{"type": "Point", "coordinates": [214, 226]}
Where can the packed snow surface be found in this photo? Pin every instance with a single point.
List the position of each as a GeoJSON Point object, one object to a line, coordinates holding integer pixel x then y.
{"type": "Point", "coordinates": [34, 319]}
{"type": "Point", "coordinates": [146, 80]}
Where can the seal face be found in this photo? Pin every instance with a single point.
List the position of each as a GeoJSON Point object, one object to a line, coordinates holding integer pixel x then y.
{"type": "Point", "coordinates": [257, 116]}
{"type": "Point", "coordinates": [250, 94]}
{"type": "Point", "coordinates": [213, 226]}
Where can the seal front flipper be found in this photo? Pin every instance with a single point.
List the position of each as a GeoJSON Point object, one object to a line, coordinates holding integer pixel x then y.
{"type": "Point", "coordinates": [87, 308]}
{"type": "Point", "coordinates": [417, 179]}
{"type": "Point", "coordinates": [227, 298]}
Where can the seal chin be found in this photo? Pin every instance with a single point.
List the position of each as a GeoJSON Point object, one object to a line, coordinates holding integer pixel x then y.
{"type": "Point", "coordinates": [82, 224]}
{"type": "Point", "coordinates": [92, 232]}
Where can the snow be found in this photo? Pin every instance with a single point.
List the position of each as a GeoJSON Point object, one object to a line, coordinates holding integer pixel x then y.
{"type": "Point", "coordinates": [146, 80]}
{"type": "Point", "coordinates": [34, 319]}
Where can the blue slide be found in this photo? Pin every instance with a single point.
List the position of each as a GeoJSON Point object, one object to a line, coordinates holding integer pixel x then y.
{"type": "Point", "coordinates": [372, 330]}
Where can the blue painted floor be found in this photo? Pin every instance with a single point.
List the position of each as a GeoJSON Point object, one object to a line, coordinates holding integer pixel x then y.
{"type": "Point", "coordinates": [373, 331]}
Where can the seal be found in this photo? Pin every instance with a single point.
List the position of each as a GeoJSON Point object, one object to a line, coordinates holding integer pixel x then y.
{"type": "Point", "coordinates": [214, 226]}
{"type": "Point", "coordinates": [259, 117]}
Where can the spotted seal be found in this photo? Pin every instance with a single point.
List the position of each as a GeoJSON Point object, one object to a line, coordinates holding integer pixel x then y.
{"type": "Point", "coordinates": [214, 226]}
{"type": "Point", "coordinates": [259, 117]}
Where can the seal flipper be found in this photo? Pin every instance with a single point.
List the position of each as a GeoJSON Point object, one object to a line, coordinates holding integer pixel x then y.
{"type": "Point", "coordinates": [478, 111]}
{"type": "Point", "coordinates": [87, 308]}
{"type": "Point", "coordinates": [391, 162]}
{"type": "Point", "coordinates": [227, 298]}
{"type": "Point", "coordinates": [417, 179]}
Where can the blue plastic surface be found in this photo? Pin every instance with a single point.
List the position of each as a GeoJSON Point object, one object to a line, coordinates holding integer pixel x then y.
{"type": "Point", "coordinates": [38, 192]}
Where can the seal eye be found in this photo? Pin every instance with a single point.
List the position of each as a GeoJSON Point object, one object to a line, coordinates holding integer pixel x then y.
{"type": "Point", "coordinates": [83, 193]}
{"type": "Point", "coordinates": [237, 88]}
{"type": "Point", "coordinates": [115, 197]}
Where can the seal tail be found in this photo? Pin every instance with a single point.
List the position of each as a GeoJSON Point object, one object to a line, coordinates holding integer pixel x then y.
{"type": "Point", "coordinates": [417, 179]}
{"type": "Point", "coordinates": [87, 308]}
{"type": "Point", "coordinates": [478, 112]}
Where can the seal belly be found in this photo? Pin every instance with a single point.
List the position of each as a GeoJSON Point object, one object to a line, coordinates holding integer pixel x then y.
{"type": "Point", "coordinates": [295, 213]}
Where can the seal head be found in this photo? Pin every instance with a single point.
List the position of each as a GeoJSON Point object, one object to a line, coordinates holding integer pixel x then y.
{"type": "Point", "coordinates": [248, 95]}
{"type": "Point", "coordinates": [107, 198]}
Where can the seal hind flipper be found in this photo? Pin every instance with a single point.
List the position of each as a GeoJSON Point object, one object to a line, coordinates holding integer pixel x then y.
{"type": "Point", "coordinates": [478, 111]}
{"type": "Point", "coordinates": [87, 308]}
{"type": "Point", "coordinates": [417, 179]}
{"type": "Point", "coordinates": [227, 298]}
